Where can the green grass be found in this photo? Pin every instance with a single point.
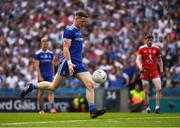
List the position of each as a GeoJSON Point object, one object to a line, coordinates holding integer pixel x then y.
{"type": "Point", "coordinates": [83, 120]}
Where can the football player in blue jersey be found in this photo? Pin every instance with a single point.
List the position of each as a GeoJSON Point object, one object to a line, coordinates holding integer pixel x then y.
{"type": "Point", "coordinates": [45, 67]}
{"type": "Point", "coordinates": [72, 64]}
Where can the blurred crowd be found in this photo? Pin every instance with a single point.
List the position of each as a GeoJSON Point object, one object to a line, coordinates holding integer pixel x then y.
{"type": "Point", "coordinates": [115, 32]}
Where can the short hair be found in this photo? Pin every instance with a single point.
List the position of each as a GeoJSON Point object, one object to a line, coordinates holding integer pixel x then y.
{"type": "Point", "coordinates": [81, 13]}
{"type": "Point", "coordinates": [44, 39]}
{"type": "Point", "coordinates": [148, 36]}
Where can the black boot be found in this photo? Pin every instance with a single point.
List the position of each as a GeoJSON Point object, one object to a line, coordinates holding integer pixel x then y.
{"type": "Point", "coordinates": [27, 89]}
{"type": "Point", "coordinates": [95, 113]}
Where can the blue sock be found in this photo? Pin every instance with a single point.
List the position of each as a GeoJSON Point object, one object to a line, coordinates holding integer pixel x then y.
{"type": "Point", "coordinates": [52, 105]}
{"type": "Point", "coordinates": [34, 86]}
{"type": "Point", "coordinates": [92, 107]}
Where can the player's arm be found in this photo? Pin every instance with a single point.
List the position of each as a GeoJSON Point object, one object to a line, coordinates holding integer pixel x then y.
{"type": "Point", "coordinates": [66, 53]}
{"type": "Point", "coordinates": [127, 78]}
{"type": "Point", "coordinates": [160, 64]}
{"type": "Point", "coordinates": [36, 64]}
{"type": "Point", "coordinates": [133, 78]}
{"type": "Point", "coordinates": [139, 62]}
{"type": "Point", "coordinates": [159, 61]}
{"type": "Point", "coordinates": [53, 68]}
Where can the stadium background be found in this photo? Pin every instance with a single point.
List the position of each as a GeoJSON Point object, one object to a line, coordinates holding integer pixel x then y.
{"type": "Point", "coordinates": [116, 30]}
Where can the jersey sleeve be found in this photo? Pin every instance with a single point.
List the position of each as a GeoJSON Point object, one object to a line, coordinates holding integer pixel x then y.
{"type": "Point", "coordinates": [36, 56]}
{"type": "Point", "coordinates": [158, 52]}
{"type": "Point", "coordinates": [68, 34]}
{"type": "Point", "coordinates": [139, 51]}
{"type": "Point", "coordinates": [52, 56]}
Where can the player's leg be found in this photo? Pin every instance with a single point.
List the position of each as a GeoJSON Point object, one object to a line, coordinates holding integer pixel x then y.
{"type": "Point", "coordinates": [86, 78]}
{"type": "Point", "coordinates": [51, 101]}
{"type": "Point", "coordinates": [45, 85]}
{"type": "Point", "coordinates": [157, 83]}
{"type": "Point", "coordinates": [40, 99]}
{"type": "Point", "coordinates": [51, 97]}
{"type": "Point", "coordinates": [146, 95]}
{"type": "Point", "coordinates": [51, 85]}
{"type": "Point", "coordinates": [145, 82]}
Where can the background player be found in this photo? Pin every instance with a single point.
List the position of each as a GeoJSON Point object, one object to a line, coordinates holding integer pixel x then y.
{"type": "Point", "coordinates": [72, 64]}
{"type": "Point", "coordinates": [45, 66]}
{"type": "Point", "coordinates": [148, 60]}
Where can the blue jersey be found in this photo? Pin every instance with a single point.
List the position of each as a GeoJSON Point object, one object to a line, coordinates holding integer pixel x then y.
{"type": "Point", "coordinates": [74, 34]}
{"type": "Point", "coordinates": [45, 60]}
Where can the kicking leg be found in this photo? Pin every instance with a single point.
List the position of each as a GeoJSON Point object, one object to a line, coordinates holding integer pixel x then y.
{"type": "Point", "coordinates": [45, 85]}
{"type": "Point", "coordinates": [51, 85]}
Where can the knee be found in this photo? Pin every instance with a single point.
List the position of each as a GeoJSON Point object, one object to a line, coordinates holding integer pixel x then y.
{"type": "Point", "coordinates": [40, 94]}
{"type": "Point", "coordinates": [51, 88]}
{"type": "Point", "coordinates": [89, 85]}
{"type": "Point", "coordinates": [146, 92]}
{"type": "Point", "coordinates": [50, 92]}
{"type": "Point", "coordinates": [158, 90]}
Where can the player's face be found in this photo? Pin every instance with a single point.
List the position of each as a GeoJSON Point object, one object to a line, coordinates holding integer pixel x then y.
{"type": "Point", "coordinates": [149, 42]}
{"type": "Point", "coordinates": [44, 45]}
{"type": "Point", "coordinates": [80, 21]}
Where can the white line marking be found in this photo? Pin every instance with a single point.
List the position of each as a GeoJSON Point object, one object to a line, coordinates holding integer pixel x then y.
{"type": "Point", "coordinates": [94, 120]}
{"type": "Point", "coordinates": [45, 122]}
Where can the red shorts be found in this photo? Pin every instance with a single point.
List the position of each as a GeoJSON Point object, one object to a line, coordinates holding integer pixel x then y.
{"type": "Point", "coordinates": [150, 75]}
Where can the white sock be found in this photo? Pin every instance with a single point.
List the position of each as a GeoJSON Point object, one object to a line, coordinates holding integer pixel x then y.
{"type": "Point", "coordinates": [148, 108]}
{"type": "Point", "coordinates": [157, 107]}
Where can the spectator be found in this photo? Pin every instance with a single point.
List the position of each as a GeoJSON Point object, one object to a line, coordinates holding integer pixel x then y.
{"type": "Point", "coordinates": [120, 81]}
{"type": "Point", "coordinates": [136, 99]}
{"type": "Point", "coordinates": [114, 31]}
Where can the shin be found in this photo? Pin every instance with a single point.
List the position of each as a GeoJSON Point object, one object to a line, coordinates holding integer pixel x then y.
{"type": "Point", "coordinates": [50, 96]}
{"type": "Point", "coordinates": [146, 92]}
{"type": "Point", "coordinates": [90, 93]}
{"type": "Point", "coordinates": [40, 99]}
{"type": "Point", "coordinates": [157, 83]}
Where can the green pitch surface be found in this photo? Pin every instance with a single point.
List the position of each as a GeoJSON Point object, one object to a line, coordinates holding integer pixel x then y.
{"type": "Point", "coordinates": [138, 120]}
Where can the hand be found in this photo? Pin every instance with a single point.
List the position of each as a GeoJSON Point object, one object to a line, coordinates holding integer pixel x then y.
{"type": "Point", "coordinates": [141, 70]}
{"type": "Point", "coordinates": [71, 69]}
{"type": "Point", "coordinates": [161, 73]}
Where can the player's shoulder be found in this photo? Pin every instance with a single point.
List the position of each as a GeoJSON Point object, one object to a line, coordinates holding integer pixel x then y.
{"type": "Point", "coordinates": [38, 52]}
{"type": "Point", "coordinates": [69, 28]}
{"type": "Point", "coordinates": [156, 47]}
{"type": "Point", "coordinates": [143, 46]}
{"type": "Point", "coordinates": [49, 51]}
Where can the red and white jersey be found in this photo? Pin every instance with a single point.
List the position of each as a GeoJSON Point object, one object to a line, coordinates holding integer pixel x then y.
{"type": "Point", "coordinates": [149, 56]}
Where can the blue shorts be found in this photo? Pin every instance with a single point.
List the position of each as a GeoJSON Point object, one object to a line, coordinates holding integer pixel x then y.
{"type": "Point", "coordinates": [63, 69]}
{"type": "Point", "coordinates": [47, 78]}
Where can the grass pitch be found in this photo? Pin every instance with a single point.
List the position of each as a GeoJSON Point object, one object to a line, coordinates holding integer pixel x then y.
{"type": "Point", "coordinates": [138, 120]}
